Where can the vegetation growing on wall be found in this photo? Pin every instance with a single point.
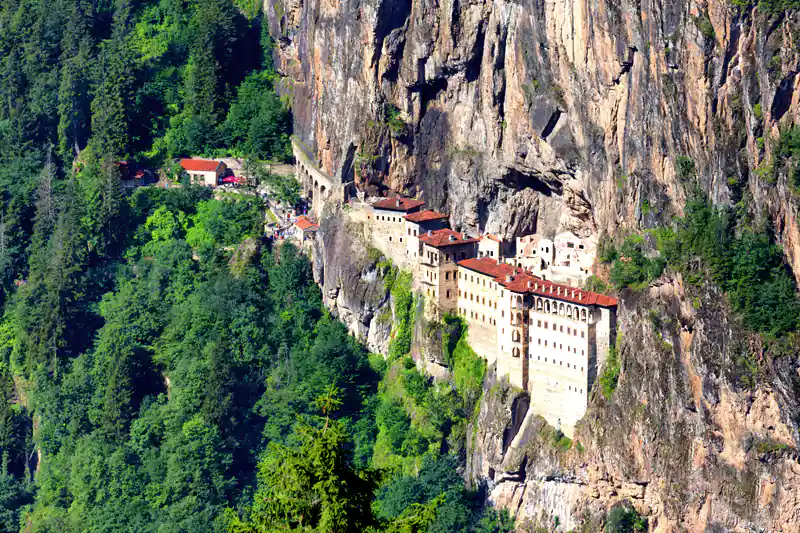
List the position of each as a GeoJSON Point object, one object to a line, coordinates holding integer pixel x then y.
{"type": "Point", "coordinates": [738, 255]}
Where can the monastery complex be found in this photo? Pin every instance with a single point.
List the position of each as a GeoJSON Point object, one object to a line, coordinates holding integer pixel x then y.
{"type": "Point", "coordinates": [524, 310]}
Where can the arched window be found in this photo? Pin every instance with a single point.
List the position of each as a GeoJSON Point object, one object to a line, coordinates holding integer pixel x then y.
{"type": "Point", "coordinates": [583, 315]}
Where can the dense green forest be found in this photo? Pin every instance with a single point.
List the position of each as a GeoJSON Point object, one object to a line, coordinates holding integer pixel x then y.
{"type": "Point", "coordinates": [163, 367]}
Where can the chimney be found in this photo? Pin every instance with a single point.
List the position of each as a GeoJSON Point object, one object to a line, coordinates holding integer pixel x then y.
{"type": "Point", "coordinates": [397, 201]}
{"type": "Point", "coordinates": [551, 289]}
{"type": "Point", "coordinates": [580, 296]}
{"type": "Point", "coordinates": [530, 284]}
{"type": "Point", "coordinates": [558, 291]}
{"type": "Point", "coordinates": [537, 285]}
{"type": "Point", "coordinates": [430, 233]}
{"type": "Point", "coordinates": [508, 278]}
{"type": "Point", "coordinates": [452, 238]}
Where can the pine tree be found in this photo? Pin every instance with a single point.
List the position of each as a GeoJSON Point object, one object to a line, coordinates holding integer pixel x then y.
{"type": "Point", "coordinates": [113, 88]}
{"type": "Point", "coordinates": [73, 101]}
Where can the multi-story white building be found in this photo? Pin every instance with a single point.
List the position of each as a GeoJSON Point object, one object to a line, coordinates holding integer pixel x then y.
{"type": "Point", "coordinates": [550, 339]}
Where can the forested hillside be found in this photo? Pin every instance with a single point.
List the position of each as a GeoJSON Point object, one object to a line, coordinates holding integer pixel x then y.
{"type": "Point", "coordinates": [163, 367]}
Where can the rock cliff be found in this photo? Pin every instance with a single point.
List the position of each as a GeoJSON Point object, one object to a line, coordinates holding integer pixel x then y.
{"type": "Point", "coordinates": [525, 115]}
{"type": "Point", "coordinates": [345, 268]}
{"type": "Point", "coordinates": [700, 435]}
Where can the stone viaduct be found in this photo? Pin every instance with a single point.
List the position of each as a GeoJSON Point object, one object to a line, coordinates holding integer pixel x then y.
{"type": "Point", "coordinates": [319, 188]}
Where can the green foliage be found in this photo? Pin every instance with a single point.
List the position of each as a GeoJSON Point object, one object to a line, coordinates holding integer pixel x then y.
{"type": "Point", "coordinates": [467, 367]}
{"type": "Point", "coordinates": [312, 486]}
{"type": "Point", "coordinates": [767, 446]}
{"type": "Point", "coordinates": [633, 268]}
{"type": "Point", "coordinates": [596, 284]}
{"type": "Point", "coordinates": [285, 189]}
{"type": "Point", "coordinates": [405, 313]}
{"type": "Point", "coordinates": [609, 374]}
{"type": "Point", "coordinates": [624, 519]}
{"type": "Point", "coordinates": [394, 120]}
{"type": "Point", "coordinates": [685, 168]}
{"type": "Point", "coordinates": [703, 24]}
{"type": "Point", "coordinates": [777, 7]}
{"type": "Point", "coordinates": [257, 122]}
{"type": "Point", "coordinates": [757, 111]}
{"type": "Point", "coordinates": [560, 441]}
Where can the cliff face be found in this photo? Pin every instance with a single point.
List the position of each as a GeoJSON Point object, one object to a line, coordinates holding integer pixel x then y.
{"type": "Point", "coordinates": [351, 286]}
{"type": "Point", "coordinates": [700, 434]}
{"type": "Point", "coordinates": [522, 115]}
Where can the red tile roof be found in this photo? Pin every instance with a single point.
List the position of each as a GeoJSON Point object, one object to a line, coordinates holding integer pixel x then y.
{"type": "Point", "coordinates": [493, 237]}
{"type": "Point", "coordinates": [425, 216]}
{"type": "Point", "coordinates": [487, 266]}
{"type": "Point", "coordinates": [200, 165]}
{"type": "Point", "coordinates": [444, 237]}
{"type": "Point", "coordinates": [398, 203]}
{"type": "Point", "coordinates": [571, 294]}
{"type": "Point", "coordinates": [304, 223]}
{"type": "Point", "coordinates": [517, 280]}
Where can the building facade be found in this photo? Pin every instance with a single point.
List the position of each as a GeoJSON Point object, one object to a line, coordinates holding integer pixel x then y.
{"type": "Point", "coordinates": [549, 338]}
{"type": "Point", "coordinates": [206, 172]}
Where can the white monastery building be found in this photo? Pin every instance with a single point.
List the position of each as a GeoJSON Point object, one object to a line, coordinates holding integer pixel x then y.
{"type": "Point", "coordinates": [548, 337]}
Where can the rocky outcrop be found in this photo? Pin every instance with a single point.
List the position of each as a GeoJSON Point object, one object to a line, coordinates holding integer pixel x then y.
{"type": "Point", "coordinates": [517, 116]}
{"type": "Point", "coordinates": [522, 115]}
{"type": "Point", "coordinates": [352, 288]}
{"type": "Point", "coordinates": [700, 435]}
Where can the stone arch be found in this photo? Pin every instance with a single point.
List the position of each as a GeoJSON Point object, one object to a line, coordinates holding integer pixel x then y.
{"type": "Point", "coordinates": [538, 304]}
{"type": "Point", "coordinates": [515, 352]}
{"type": "Point", "coordinates": [561, 309]}
{"type": "Point", "coordinates": [583, 315]}
{"type": "Point", "coordinates": [519, 318]}
{"type": "Point", "coordinates": [569, 311]}
{"type": "Point", "coordinates": [547, 306]}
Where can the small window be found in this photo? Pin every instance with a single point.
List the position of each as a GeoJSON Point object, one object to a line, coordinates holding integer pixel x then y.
{"type": "Point", "coordinates": [448, 293]}
{"type": "Point", "coordinates": [582, 334]}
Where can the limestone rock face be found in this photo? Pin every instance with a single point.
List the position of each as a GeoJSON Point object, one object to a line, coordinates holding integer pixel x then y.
{"type": "Point", "coordinates": [351, 286]}
{"type": "Point", "coordinates": [517, 116]}
{"type": "Point", "coordinates": [522, 115]}
{"type": "Point", "coordinates": [700, 434]}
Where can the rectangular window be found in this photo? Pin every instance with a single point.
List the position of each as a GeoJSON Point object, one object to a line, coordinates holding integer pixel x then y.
{"type": "Point", "coordinates": [447, 276]}
{"type": "Point", "coordinates": [582, 334]}
{"type": "Point", "coordinates": [448, 293]}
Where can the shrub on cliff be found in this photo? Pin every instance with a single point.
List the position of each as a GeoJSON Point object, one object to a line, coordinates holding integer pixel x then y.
{"type": "Point", "coordinates": [624, 519]}
{"type": "Point", "coordinates": [610, 373]}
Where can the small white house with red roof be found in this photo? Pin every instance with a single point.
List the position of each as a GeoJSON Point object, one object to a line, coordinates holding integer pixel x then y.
{"type": "Point", "coordinates": [206, 172]}
{"type": "Point", "coordinates": [304, 229]}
